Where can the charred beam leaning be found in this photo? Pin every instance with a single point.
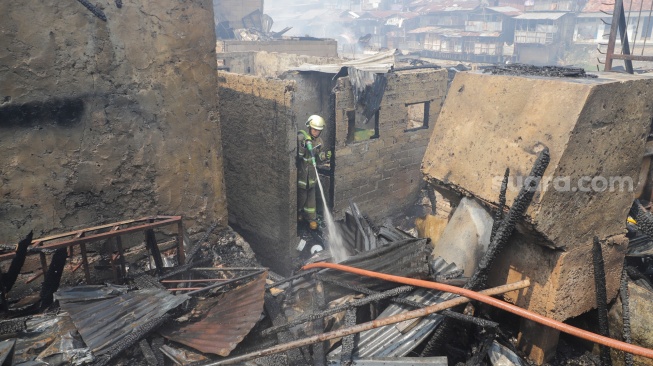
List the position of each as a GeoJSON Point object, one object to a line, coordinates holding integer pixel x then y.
{"type": "Point", "coordinates": [150, 358]}
{"type": "Point", "coordinates": [625, 309]}
{"type": "Point", "coordinates": [150, 242]}
{"type": "Point", "coordinates": [130, 339]}
{"type": "Point", "coordinates": [93, 9]}
{"type": "Point", "coordinates": [53, 277]}
{"type": "Point", "coordinates": [348, 342]}
{"type": "Point", "coordinates": [601, 299]}
{"type": "Point", "coordinates": [498, 217]}
{"type": "Point", "coordinates": [9, 278]}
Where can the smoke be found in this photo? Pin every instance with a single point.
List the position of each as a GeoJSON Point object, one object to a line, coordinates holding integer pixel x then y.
{"type": "Point", "coordinates": [320, 19]}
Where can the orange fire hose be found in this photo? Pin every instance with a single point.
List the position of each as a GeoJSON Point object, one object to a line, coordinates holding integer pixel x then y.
{"type": "Point", "coordinates": [612, 343]}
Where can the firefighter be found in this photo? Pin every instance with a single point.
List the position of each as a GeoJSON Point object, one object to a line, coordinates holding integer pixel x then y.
{"type": "Point", "coordinates": [309, 153]}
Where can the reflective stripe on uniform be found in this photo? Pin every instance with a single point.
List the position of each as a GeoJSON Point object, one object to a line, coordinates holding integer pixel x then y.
{"type": "Point", "coordinates": [309, 209]}
{"type": "Point", "coordinates": [301, 184]}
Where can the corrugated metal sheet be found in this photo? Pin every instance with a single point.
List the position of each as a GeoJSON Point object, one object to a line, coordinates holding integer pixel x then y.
{"type": "Point", "coordinates": [608, 6]}
{"type": "Point", "coordinates": [229, 319]}
{"type": "Point", "coordinates": [380, 63]}
{"type": "Point", "coordinates": [505, 10]}
{"type": "Point", "coordinates": [6, 347]}
{"type": "Point", "coordinates": [89, 293]}
{"type": "Point", "coordinates": [103, 323]}
{"type": "Point", "coordinates": [541, 16]}
{"type": "Point", "coordinates": [407, 258]}
{"type": "Point", "coordinates": [390, 341]}
{"type": "Point", "coordinates": [449, 32]}
{"type": "Point", "coordinates": [446, 6]}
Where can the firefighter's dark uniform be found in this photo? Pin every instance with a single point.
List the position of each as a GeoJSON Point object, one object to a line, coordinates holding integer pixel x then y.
{"type": "Point", "coordinates": [306, 176]}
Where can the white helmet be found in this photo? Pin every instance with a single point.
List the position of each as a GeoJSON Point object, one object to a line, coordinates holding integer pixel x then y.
{"type": "Point", "coordinates": [315, 122]}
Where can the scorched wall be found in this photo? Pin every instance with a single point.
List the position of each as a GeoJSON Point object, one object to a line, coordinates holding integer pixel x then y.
{"type": "Point", "coordinates": [382, 174]}
{"type": "Point", "coordinates": [106, 120]}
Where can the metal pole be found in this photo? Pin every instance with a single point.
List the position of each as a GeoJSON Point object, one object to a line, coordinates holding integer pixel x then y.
{"type": "Point", "coordinates": [419, 313]}
{"type": "Point", "coordinates": [614, 27]}
{"type": "Point", "coordinates": [220, 284]}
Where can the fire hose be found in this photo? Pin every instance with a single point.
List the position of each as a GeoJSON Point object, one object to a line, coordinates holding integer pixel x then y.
{"type": "Point", "coordinates": [593, 337]}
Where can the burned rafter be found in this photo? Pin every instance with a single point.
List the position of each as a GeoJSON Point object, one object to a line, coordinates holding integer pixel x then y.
{"type": "Point", "coordinates": [53, 277]}
{"type": "Point", "coordinates": [601, 299]}
{"type": "Point", "coordinates": [498, 216]}
{"type": "Point", "coordinates": [93, 9]}
{"type": "Point", "coordinates": [150, 242]}
{"type": "Point", "coordinates": [133, 337]}
{"type": "Point", "coordinates": [9, 278]}
{"type": "Point", "coordinates": [625, 310]}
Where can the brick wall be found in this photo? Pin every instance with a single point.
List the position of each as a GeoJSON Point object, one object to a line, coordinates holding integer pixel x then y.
{"type": "Point", "coordinates": [382, 175]}
{"type": "Point", "coordinates": [259, 142]}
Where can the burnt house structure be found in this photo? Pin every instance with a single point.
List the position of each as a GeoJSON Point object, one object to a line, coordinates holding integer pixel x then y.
{"type": "Point", "coordinates": [378, 142]}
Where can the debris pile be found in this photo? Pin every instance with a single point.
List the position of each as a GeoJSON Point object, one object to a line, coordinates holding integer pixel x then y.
{"type": "Point", "coordinates": [547, 71]}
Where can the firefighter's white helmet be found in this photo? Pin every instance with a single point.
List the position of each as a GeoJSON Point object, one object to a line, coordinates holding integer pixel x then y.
{"type": "Point", "coordinates": [315, 122]}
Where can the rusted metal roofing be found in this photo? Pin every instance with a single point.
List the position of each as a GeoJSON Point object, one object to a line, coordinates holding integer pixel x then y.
{"type": "Point", "coordinates": [505, 10]}
{"type": "Point", "coordinates": [595, 6]}
{"type": "Point", "coordinates": [105, 322]}
{"type": "Point", "coordinates": [445, 6]}
{"type": "Point", "coordinates": [228, 320]}
{"type": "Point", "coordinates": [449, 32]}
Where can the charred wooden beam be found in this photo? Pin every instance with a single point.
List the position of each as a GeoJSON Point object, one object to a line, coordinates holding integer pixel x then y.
{"type": "Point", "coordinates": [601, 299]}
{"type": "Point", "coordinates": [93, 9]}
{"type": "Point", "coordinates": [348, 342]}
{"type": "Point", "coordinates": [9, 278]}
{"type": "Point", "coordinates": [498, 216]}
{"type": "Point", "coordinates": [131, 339]}
{"type": "Point", "coordinates": [53, 277]}
{"type": "Point", "coordinates": [275, 313]}
{"type": "Point", "coordinates": [150, 242]}
{"type": "Point", "coordinates": [625, 309]}
{"type": "Point", "coordinates": [148, 354]}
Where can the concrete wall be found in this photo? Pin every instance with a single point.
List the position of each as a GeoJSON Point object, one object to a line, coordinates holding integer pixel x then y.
{"type": "Point", "coordinates": [268, 64]}
{"type": "Point", "coordinates": [259, 142]}
{"type": "Point", "coordinates": [595, 130]}
{"type": "Point", "coordinates": [102, 121]}
{"type": "Point", "coordinates": [234, 11]}
{"type": "Point", "coordinates": [382, 175]}
{"type": "Point", "coordinates": [309, 47]}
